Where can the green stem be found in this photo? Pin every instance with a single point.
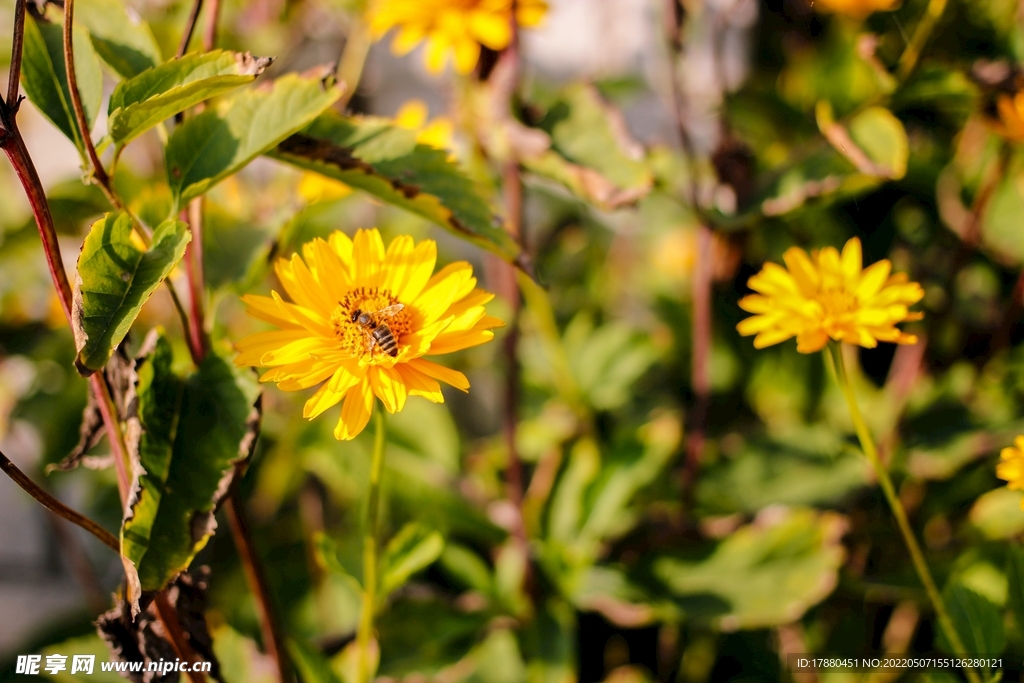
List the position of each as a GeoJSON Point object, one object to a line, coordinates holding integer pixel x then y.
{"type": "Point", "coordinates": [353, 60]}
{"type": "Point", "coordinates": [898, 512]}
{"type": "Point", "coordinates": [371, 551]}
{"type": "Point", "coordinates": [908, 60]}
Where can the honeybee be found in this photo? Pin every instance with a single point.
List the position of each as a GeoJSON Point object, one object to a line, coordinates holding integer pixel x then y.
{"type": "Point", "coordinates": [377, 331]}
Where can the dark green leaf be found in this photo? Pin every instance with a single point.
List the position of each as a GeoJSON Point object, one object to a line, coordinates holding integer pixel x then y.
{"type": "Point", "coordinates": [413, 549]}
{"type": "Point", "coordinates": [1015, 581]}
{"type": "Point", "coordinates": [373, 155]}
{"type": "Point", "coordinates": [214, 430]}
{"type": "Point", "coordinates": [426, 636]}
{"type": "Point", "coordinates": [223, 139]}
{"type": "Point", "coordinates": [157, 94]}
{"type": "Point", "coordinates": [46, 80]}
{"type": "Point", "coordinates": [976, 619]}
{"type": "Point", "coordinates": [124, 42]}
{"type": "Point", "coordinates": [312, 666]}
{"type": "Point", "coordinates": [764, 574]}
{"type": "Point", "coordinates": [115, 278]}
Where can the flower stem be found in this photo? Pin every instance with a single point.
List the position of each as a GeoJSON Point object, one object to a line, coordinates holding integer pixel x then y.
{"type": "Point", "coordinates": [371, 550]}
{"type": "Point", "coordinates": [908, 60]}
{"type": "Point", "coordinates": [898, 512]}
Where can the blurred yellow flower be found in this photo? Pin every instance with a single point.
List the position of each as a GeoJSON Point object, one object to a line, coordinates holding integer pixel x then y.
{"type": "Point", "coordinates": [437, 133]}
{"type": "Point", "coordinates": [827, 295]}
{"type": "Point", "coordinates": [1011, 116]}
{"type": "Point", "coordinates": [1011, 466]}
{"type": "Point", "coordinates": [314, 188]}
{"type": "Point", "coordinates": [456, 27]}
{"type": "Point", "coordinates": [855, 8]}
{"type": "Point", "coordinates": [360, 321]}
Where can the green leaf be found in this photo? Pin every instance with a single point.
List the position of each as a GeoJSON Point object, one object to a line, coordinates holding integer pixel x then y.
{"type": "Point", "coordinates": [997, 514]}
{"type": "Point", "coordinates": [976, 619]}
{"type": "Point", "coordinates": [223, 139]}
{"type": "Point", "coordinates": [124, 42]}
{"type": "Point", "coordinates": [764, 574]}
{"type": "Point", "coordinates": [426, 636]}
{"type": "Point", "coordinates": [157, 94]}
{"type": "Point", "coordinates": [373, 155]}
{"type": "Point", "coordinates": [115, 278]}
{"type": "Point", "coordinates": [882, 136]}
{"type": "Point", "coordinates": [46, 80]}
{"type": "Point", "coordinates": [312, 666]}
{"type": "Point", "coordinates": [208, 424]}
{"type": "Point", "coordinates": [1015, 581]}
{"type": "Point", "coordinates": [414, 548]}
{"type": "Point", "coordinates": [90, 644]}
{"type": "Point", "coordinates": [591, 154]}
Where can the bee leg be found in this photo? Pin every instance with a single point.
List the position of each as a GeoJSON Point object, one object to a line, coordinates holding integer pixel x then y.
{"type": "Point", "coordinates": [369, 344]}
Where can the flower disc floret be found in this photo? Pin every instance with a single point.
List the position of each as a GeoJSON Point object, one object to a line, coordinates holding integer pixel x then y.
{"type": "Point", "coordinates": [827, 295]}
{"type": "Point", "coordinates": [321, 339]}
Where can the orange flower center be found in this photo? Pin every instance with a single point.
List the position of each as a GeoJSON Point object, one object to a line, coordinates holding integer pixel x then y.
{"type": "Point", "coordinates": [837, 302]}
{"type": "Point", "coordinates": [367, 326]}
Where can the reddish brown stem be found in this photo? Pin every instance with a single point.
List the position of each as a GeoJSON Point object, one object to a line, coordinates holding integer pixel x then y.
{"type": "Point", "coordinates": [273, 642]}
{"type": "Point", "coordinates": [210, 34]}
{"type": "Point", "coordinates": [196, 283]}
{"type": "Point", "coordinates": [14, 77]}
{"type": "Point", "coordinates": [99, 173]}
{"type": "Point", "coordinates": [700, 360]}
{"type": "Point", "coordinates": [55, 506]}
{"type": "Point", "coordinates": [175, 635]}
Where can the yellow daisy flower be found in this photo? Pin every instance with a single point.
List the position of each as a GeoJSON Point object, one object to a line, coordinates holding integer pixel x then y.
{"type": "Point", "coordinates": [1011, 116]}
{"type": "Point", "coordinates": [1011, 466]}
{"type": "Point", "coordinates": [437, 133]}
{"type": "Point", "coordinates": [360, 321]}
{"type": "Point", "coordinates": [856, 8]}
{"type": "Point", "coordinates": [455, 27]}
{"type": "Point", "coordinates": [827, 295]}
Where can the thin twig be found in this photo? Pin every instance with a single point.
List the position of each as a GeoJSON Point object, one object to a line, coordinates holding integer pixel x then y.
{"type": "Point", "coordinates": [190, 27]}
{"type": "Point", "coordinates": [55, 506]}
{"type": "Point", "coordinates": [175, 635]}
{"type": "Point", "coordinates": [14, 78]}
{"type": "Point", "coordinates": [99, 173]}
{"type": "Point", "coordinates": [700, 354]}
{"type": "Point", "coordinates": [911, 54]}
{"type": "Point", "coordinates": [210, 34]}
{"type": "Point", "coordinates": [273, 642]}
{"type": "Point", "coordinates": [196, 282]}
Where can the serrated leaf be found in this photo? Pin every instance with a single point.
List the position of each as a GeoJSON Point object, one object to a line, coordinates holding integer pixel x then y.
{"type": "Point", "coordinates": [374, 156]}
{"type": "Point", "coordinates": [157, 94]}
{"type": "Point", "coordinates": [764, 574]}
{"type": "Point", "coordinates": [115, 278]}
{"type": "Point", "coordinates": [212, 430]}
{"type": "Point", "coordinates": [976, 619]}
{"type": "Point", "coordinates": [223, 139]}
{"type": "Point", "coordinates": [46, 80]}
{"type": "Point", "coordinates": [413, 549]}
{"type": "Point", "coordinates": [124, 42]}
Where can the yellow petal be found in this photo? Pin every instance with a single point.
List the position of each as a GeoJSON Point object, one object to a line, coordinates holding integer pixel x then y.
{"type": "Point", "coordinates": [492, 29]}
{"type": "Point", "coordinates": [368, 255]}
{"type": "Point", "coordinates": [355, 412]}
{"type": "Point", "coordinates": [852, 259]}
{"type": "Point", "coordinates": [389, 387]}
{"type": "Point", "coordinates": [420, 384]}
{"type": "Point", "coordinates": [446, 375]}
{"type": "Point", "coordinates": [253, 347]}
{"type": "Point", "coordinates": [266, 309]}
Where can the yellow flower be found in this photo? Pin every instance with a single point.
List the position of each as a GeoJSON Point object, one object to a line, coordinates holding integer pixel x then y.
{"type": "Point", "coordinates": [456, 27]}
{"type": "Point", "coordinates": [1011, 466]}
{"type": "Point", "coordinates": [361, 320]}
{"type": "Point", "coordinates": [856, 8]}
{"type": "Point", "coordinates": [1011, 116]}
{"type": "Point", "coordinates": [437, 133]}
{"type": "Point", "coordinates": [827, 295]}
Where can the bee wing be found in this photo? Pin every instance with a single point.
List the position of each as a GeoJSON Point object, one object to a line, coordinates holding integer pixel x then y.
{"type": "Point", "coordinates": [391, 310]}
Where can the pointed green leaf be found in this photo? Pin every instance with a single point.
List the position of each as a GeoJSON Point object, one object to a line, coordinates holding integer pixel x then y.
{"type": "Point", "coordinates": [220, 141]}
{"type": "Point", "coordinates": [46, 80]}
{"type": "Point", "coordinates": [414, 548]}
{"type": "Point", "coordinates": [193, 433]}
{"type": "Point", "coordinates": [976, 619]}
{"type": "Point", "coordinates": [764, 574]}
{"type": "Point", "coordinates": [157, 94]}
{"type": "Point", "coordinates": [115, 278]}
{"type": "Point", "coordinates": [123, 41]}
{"type": "Point", "coordinates": [387, 162]}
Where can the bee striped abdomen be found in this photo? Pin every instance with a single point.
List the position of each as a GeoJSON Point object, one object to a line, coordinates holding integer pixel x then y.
{"type": "Point", "coordinates": [385, 340]}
